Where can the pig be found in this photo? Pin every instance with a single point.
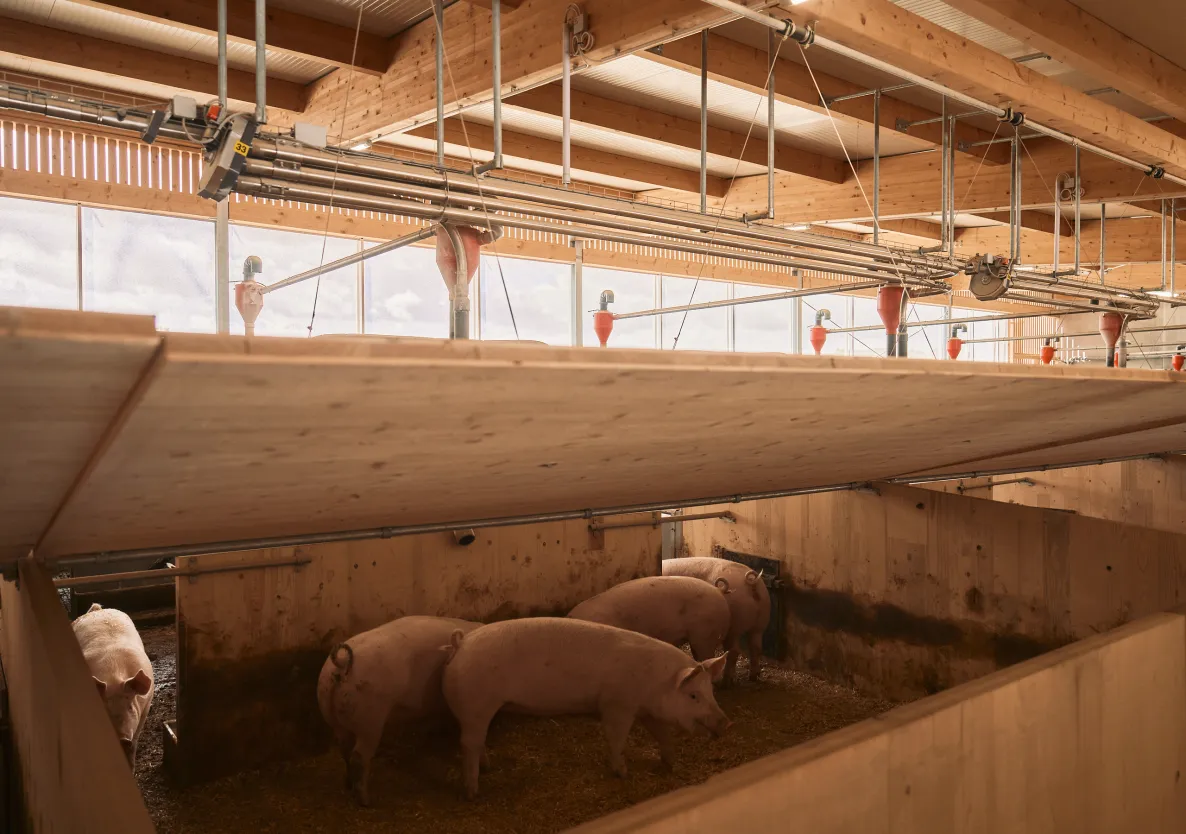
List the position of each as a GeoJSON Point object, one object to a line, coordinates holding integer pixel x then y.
{"type": "Point", "coordinates": [115, 656]}
{"type": "Point", "coordinates": [674, 609]}
{"type": "Point", "coordinates": [560, 666]}
{"type": "Point", "coordinates": [749, 604]}
{"type": "Point", "coordinates": [383, 677]}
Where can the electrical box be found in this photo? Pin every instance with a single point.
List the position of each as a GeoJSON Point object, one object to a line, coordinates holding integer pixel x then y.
{"type": "Point", "coordinates": [310, 134]}
{"type": "Point", "coordinates": [184, 107]}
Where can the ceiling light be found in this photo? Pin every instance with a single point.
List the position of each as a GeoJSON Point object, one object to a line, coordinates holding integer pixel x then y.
{"type": "Point", "coordinates": [800, 227]}
{"type": "Point", "coordinates": [1162, 293]}
{"type": "Point", "coordinates": [364, 145]}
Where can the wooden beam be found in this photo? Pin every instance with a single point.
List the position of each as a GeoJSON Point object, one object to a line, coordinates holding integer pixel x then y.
{"type": "Point", "coordinates": [745, 67]}
{"type": "Point", "coordinates": [404, 96]}
{"type": "Point", "coordinates": [910, 186]}
{"type": "Point", "coordinates": [633, 120]}
{"type": "Point", "coordinates": [1130, 240]}
{"type": "Point", "coordinates": [1035, 221]}
{"type": "Point", "coordinates": [883, 30]}
{"type": "Point", "coordinates": [584, 160]}
{"type": "Point", "coordinates": [43, 43]}
{"type": "Point", "coordinates": [288, 32]}
{"type": "Point", "coordinates": [914, 228]}
{"type": "Point", "coordinates": [1069, 34]}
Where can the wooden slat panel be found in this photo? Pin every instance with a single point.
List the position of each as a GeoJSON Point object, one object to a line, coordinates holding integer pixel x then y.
{"type": "Point", "coordinates": [63, 375]}
{"type": "Point", "coordinates": [75, 777]}
{"type": "Point", "coordinates": [1090, 738]}
{"type": "Point", "coordinates": [240, 438]}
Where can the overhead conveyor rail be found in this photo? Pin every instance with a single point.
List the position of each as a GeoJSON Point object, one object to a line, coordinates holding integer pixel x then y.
{"type": "Point", "coordinates": [209, 443]}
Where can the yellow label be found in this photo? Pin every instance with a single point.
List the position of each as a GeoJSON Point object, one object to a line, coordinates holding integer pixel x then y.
{"type": "Point", "coordinates": [241, 148]}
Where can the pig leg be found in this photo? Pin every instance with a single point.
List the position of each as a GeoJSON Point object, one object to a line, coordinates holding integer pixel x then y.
{"type": "Point", "coordinates": [473, 749]}
{"type": "Point", "coordinates": [703, 646]}
{"type": "Point", "coordinates": [358, 767]}
{"type": "Point", "coordinates": [734, 644]}
{"type": "Point", "coordinates": [661, 733]}
{"type": "Point", "coordinates": [617, 720]}
{"type": "Point", "coordinates": [346, 746]}
{"type": "Point", "coordinates": [755, 654]}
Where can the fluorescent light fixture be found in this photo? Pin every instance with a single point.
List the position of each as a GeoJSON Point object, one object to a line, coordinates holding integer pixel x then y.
{"type": "Point", "coordinates": [365, 145]}
{"type": "Point", "coordinates": [797, 2]}
{"type": "Point", "coordinates": [1162, 293]}
{"type": "Point", "coordinates": [800, 227]}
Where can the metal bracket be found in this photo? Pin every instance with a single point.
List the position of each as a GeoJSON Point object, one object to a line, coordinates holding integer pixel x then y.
{"type": "Point", "coordinates": [1012, 117]}
{"type": "Point", "coordinates": [902, 124]}
{"type": "Point", "coordinates": [1157, 172]}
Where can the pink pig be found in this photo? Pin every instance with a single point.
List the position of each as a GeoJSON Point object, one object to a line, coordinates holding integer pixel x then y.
{"type": "Point", "coordinates": [554, 666]}
{"type": "Point", "coordinates": [674, 609]}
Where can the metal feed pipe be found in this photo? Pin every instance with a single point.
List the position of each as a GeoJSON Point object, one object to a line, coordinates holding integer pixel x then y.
{"type": "Point", "coordinates": [261, 61]}
{"type": "Point", "coordinates": [734, 302]}
{"type": "Point", "coordinates": [354, 258]}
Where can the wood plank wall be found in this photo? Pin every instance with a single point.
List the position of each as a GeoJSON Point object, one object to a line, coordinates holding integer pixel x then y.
{"type": "Point", "coordinates": [1151, 493]}
{"type": "Point", "coordinates": [1090, 738]}
{"type": "Point", "coordinates": [911, 591]}
{"type": "Point", "coordinates": [75, 776]}
{"type": "Point", "coordinates": [252, 644]}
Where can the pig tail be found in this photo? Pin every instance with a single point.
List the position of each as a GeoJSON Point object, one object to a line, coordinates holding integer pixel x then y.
{"type": "Point", "coordinates": [344, 666]}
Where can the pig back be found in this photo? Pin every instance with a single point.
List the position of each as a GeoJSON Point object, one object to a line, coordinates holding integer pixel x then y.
{"type": "Point", "coordinates": [667, 608]}
{"type": "Point", "coordinates": [557, 666]}
{"type": "Point", "coordinates": [749, 602]}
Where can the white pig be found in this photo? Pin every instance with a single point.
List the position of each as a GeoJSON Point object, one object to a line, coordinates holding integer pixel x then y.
{"type": "Point", "coordinates": [115, 656]}
{"type": "Point", "coordinates": [749, 604]}
{"type": "Point", "coordinates": [555, 666]}
{"type": "Point", "coordinates": [385, 676]}
{"type": "Point", "coordinates": [674, 609]}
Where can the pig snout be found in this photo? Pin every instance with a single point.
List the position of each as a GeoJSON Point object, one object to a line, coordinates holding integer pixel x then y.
{"type": "Point", "coordinates": [716, 722]}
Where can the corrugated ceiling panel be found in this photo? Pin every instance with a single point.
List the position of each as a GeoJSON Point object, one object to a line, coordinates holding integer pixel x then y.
{"type": "Point", "coordinates": [636, 80]}
{"type": "Point", "coordinates": [380, 17]}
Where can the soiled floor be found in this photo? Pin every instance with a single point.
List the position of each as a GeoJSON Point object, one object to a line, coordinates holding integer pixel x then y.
{"type": "Point", "coordinates": [546, 774]}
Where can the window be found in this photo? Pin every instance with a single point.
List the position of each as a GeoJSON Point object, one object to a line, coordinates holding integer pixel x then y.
{"type": "Point", "coordinates": [540, 295]}
{"type": "Point", "coordinates": [287, 311]}
{"type": "Point", "coordinates": [38, 254]}
{"type": "Point", "coordinates": [864, 314]}
{"type": "Point", "coordinates": [405, 294]}
{"type": "Point", "coordinates": [837, 305]}
{"type": "Point", "coordinates": [985, 351]}
{"type": "Point", "coordinates": [633, 291]}
{"type": "Point", "coordinates": [928, 342]}
{"type": "Point", "coordinates": [149, 264]}
{"type": "Point", "coordinates": [702, 329]}
{"type": "Point", "coordinates": [762, 327]}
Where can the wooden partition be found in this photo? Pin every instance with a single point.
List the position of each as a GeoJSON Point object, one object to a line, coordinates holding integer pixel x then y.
{"type": "Point", "coordinates": [1151, 493]}
{"type": "Point", "coordinates": [251, 644]}
{"type": "Point", "coordinates": [1088, 739]}
{"type": "Point", "coordinates": [75, 776]}
{"type": "Point", "coordinates": [905, 591]}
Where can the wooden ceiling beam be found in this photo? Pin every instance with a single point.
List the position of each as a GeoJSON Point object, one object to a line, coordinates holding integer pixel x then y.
{"type": "Point", "coordinates": [746, 68]}
{"type": "Point", "coordinates": [43, 43]}
{"type": "Point", "coordinates": [885, 31]}
{"type": "Point", "coordinates": [584, 160]}
{"type": "Point", "coordinates": [288, 32]}
{"type": "Point", "coordinates": [1129, 240]}
{"type": "Point", "coordinates": [910, 186]}
{"type": "Point", "coordinates": [646, 123]}
{"type": "Point", "coordinates": [404, 97]}
{"type": "Point", "coordinates": [1069, 34]}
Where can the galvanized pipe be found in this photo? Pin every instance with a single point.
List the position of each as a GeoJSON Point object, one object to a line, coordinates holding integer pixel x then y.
{"type": "Point", "coordinates": [771, 51]}
{"type": "Point", "coordinates": [876, 166]}
{"type": "Point", "coordinates": [1163, 246]}
{"type": "Point", "coordinates": [1173, 245]}
{"type": "Point", "coordinates": [944, 222]}
{"type": "Point", "coordinates": [928, 322]}
{"type": "Point", "coordinates": [1103, 239]}
{"type": "Point", "coordinates": [1078, 212]}
{"type": "Point", "coordinates": [657, 520]}
{"type": "Point", "coordinates": [261, 61]}
{"type": "Point", "coordinates": [174, 573]}
{"type": "Point", "coordinates": [566, 103]}
{"type": "Point", "coordinates": [496, 73]}
{"type": "Point", "coordinates": [704, 122]}
{"type": "Point", "coordinates": [951, 147]}
{"type": "Point", "coordinates": [438, 16]}
{"type": "Point", "coordinates": [1057, 222]}
{"type": "Point", "coordinates": [354, 258]}
{"type": "Point", "coordinates": [222, 26]}
{"type": "Point", "coordinates": [459, 295]}
{"type": "Point", "coordinates": [751, 299]}
{"type": "Point", "coordinates": [1080, 335]}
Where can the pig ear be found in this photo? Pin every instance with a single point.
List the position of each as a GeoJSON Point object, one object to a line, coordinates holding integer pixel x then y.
{"type": "Point", "coordinates": [687, 675]}
{"type": "Point", "coordinates": [140, 683]}
{"type": "Point", "coordinates": [723, 584]}
{"type": "Point", "coordinates": [715, 666]}
{"type": "Point", "coordinates": [102, 687]}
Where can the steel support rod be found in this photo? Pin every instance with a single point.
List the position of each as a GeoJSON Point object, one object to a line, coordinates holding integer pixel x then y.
{"type": "Point", "coordinates": [496, 72]}
{"type": "Point", "coordinates": [944, 231]}
{"type": "Point", "coordinates": [1173, 245]}
{"type": "Point", "coordinates": [1164, 248]}
{"type": "Point", "coordinates": [751, 299]}
{"type": "Point", "coordinates": [261, 61]}
{"type": "Point", "coordinates": [876, 165]}
{"type": "Point", "coordinates": [222, 26]}
{"type": "Point", "coordinates": [927, 322]}
{"type": "Point", "coordinates": [657, 519]}
{"type": "Point", "coordinates": [354, 258]}
{"type": "Point", "coordinates": [1080, 335]}
{"type": "Point", "coordinates": [566, 103]}
{"type": "Point", "coordinates": [1058, 181]}
{"type": "Point", "coordinates": [951, 148]}
{"type": "Point", "coordinates": [578, 292]}
{"type": "Point", "coordinates": [1078, 213]}
{"type": "Point", "coordinates": [770, 53]}
{"type": "Point", "coordinates": [1103, 240]}
{"type": "Point", "coordinates": [222, 265]}
{"type": "Point", "coordinates": [438, 16]}
{"type": "Point", "coordinates": [704, 122]}
{"type": "Point", "coordinates": [78, 252]}
{"type": "Point", "coordinates": [173, 573]}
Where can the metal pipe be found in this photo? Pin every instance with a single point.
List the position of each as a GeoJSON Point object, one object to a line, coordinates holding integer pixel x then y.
{"type": "Point", "coordinates": [704, 122]}
{"type": "Point", "coordinates": [1084, 334]}
{"type": "Point", "coordinates": [173, 573]}
{"type": "Point", "coordinates": [1078, 212]}
{"type": "Point", "coordinates": [1058, 181]}
{"type": "Point", "coordinates": [360, 287]}
{"type": "Point", "coordinates": [459, 294]}
{"type": "Point", "coordinates": [438, 16]}
{"type": "Point", "coordinates": [962, 489]}
{"type": "Point", "coordinates": [951, 147]}
{"type": "Point", "coordinates": [566, 103]}
{"type": "Point", "coordinates": [578, 291]}
{"type": "Point", "coordinates": [928, 322]}
{"type": "Point", "coordinates": [657, 520]}
{"type": "Point", "coordinates": [176, 551]}
{"type": "Point", "coordinates": [1103, 240]}
{"type": "Point", "coordinates": [78, 252]}
{"type": "Point", "coordinates": [876, 165]}
{"type": "Point", "coordinates": [496, 72]}
{"type": "Point", "coordinates": [864, 93]}
{"type": "Point", "coordinates": [25, 99]}
{"type": "Point", "coordinates": [1015, 201]}
{"type": "Point", "coordinates": [944, 230]}
{"type": "Point", "coordinates": [755, 15]}
{"type": "Point", "coordinates": [752, 299]}
{"type": "Point", "coordinates": [261, 61]}
{"type": "Point", "coordinates": [1163, 246]}
{"type": "Point", "coordinates": [222, 266]}
{"type": "Point", "coordinates": [770, 53]}
{"type": "Point", "coordinates": [222, 26]}
{"type": "Point", "coordinates": [1173, 245]}
{"type": "Point", "coordinates": [354, 258]}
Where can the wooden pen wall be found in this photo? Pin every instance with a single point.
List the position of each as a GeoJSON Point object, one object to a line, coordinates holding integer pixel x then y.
{"type": "Point", "coordinates": [908, 591]}
{"type": "Point", "coordinates": [251, 644]}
